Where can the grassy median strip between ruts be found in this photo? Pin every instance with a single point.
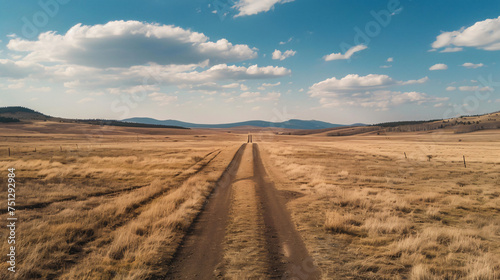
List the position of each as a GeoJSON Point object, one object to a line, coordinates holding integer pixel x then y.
{"type": "Point", "coordinates": [245, 255]}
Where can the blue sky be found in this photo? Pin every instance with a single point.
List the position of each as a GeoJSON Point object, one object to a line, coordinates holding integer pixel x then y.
{"type": "Point", "coordinates": [233, 60]}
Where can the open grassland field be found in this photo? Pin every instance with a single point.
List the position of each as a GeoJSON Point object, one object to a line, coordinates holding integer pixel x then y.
{"type": "Point", "coordinates": [109, 207]}
{"type": "Point", "coordinates": [149, 203]}
{"type": "Point", "coordinates": [367, 212]}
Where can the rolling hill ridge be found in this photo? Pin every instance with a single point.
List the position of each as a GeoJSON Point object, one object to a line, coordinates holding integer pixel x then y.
{"type": "Point", "coordinates": [290, 124]}
{"type": "Point", "coordinates": [14, 114]}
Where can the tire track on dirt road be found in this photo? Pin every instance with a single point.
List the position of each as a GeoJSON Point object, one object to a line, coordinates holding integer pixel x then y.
{"type": "Point", "coordinates": [200, 253]}
{"type": "Point", "coordinates": [201, 256]}
{"type": "Point", "coordinates": [288, 256]}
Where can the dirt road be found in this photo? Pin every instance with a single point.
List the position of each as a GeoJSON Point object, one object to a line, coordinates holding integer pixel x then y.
{"type": "Point", "coordinates": [208, 251]}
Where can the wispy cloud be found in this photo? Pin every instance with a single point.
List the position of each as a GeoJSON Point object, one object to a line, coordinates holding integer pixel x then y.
{"type": "Point", "coordinates": [271, 85]}
{"type": "Point", "coordinates": [287, 41]}
{"type": "Point", "coordinates": [472, 65]}
{"type": "Point", "coordinates": [17, 85]}
{"type": "Point", "coordinates": [453, 49]}
{"type": "Point", "coordinates": [397, 11]}
{"type": "Point", "coordinates": [249, 94]}
{"type": "Point", "coordinates": [474, 88]}
{"type": "Point", "coordinates": [253, 7]}
{"type": "Point", "coordinates": [85, 100]}
{"type": "Point", "coordinates": [347, 55]}
{"type": "Point", "coordinates": [439, 66]}
{"type": "Point", "coordinates": [161, 98]}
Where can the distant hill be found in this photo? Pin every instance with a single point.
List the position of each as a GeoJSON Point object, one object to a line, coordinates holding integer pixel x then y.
{"type": "Point", "coordinates": [17, 114]}
{"type": "Point", "coordinates": [290, 124]}
{"type": "Point", "coordinates": [337, 131]}
{"type": "Point", "coordinates": [461, 124]}
{"type": "Point", "coordinates": [21, 113]}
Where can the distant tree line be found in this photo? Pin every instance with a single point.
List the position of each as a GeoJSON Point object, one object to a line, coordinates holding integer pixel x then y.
{"type": "Point", "coordinates": [401, 123]}
{"type": "Point", "coordinates": [353, 131]}
{"type": "Point", "coordinates": [8, 120]}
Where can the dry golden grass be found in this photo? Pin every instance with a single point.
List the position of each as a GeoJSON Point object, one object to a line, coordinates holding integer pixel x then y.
{"type": "Point", "coordinates": [57, 175]}
{"type": "Point", "coordinates": [244, 252]}
{"type": "Point", "coordinates": [110, 210]}
{"type": "Point", "coordinates": [388, 217]}
{"type": "Point", "coordinates": [338, 223]}
{"type": "Point", "coordinates": [118, 208]}
{"type": "Point", "coordinates": [421, 272]}
{"type": "Point", "coordinates": [140, 247]}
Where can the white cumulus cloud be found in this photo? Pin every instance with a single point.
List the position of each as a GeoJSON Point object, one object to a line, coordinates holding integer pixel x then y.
{"type": "Point", "coordinates": [128, 43]}
{"type": "Point", "coordinates": [483, 35]}
{"type": "Point", "coordinates": [355, 83]}
{"type": "Point", "coordinates": [18, 69]}
{"type": "Point", "coordinates": [277, 54]}
{"type": "Point", "coordinates": [379, 100]}
{"type": "Point", "coordinates": [350, 83]}
{"type": "Point", "coordinates": [366, 91]}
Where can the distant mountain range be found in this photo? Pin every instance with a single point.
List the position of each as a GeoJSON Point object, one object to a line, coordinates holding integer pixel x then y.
{"type": "Point", "coordinates": [17, 114]}
{"type": "Point", "coordinates": [462, 124]}
{"type": "Point", "coordinates": [290, 124]}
